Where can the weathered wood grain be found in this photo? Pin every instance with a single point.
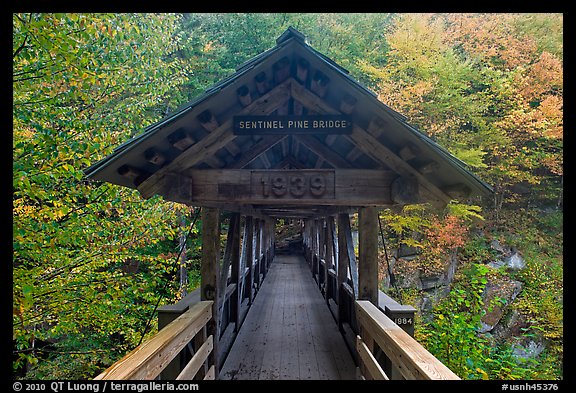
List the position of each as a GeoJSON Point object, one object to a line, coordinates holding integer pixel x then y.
{"type": "Point", "coordinates": [190, 370]}
{"type": "Point", "coordinates": [409, 356]}
{"type": "Point", "coordinates": [289, 332]}
{"type": "Point", "coordinates": [369, 361]}
{"type": "Point", "coordinates": [150, 358]}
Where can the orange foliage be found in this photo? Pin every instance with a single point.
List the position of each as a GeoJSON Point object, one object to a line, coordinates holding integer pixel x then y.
{"type": "Point", "coordinates": [490, 37]}
{"type": "Point", "coordinates": [443, 237]}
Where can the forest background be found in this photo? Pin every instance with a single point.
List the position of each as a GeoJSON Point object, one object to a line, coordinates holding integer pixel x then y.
{"type": "Point", "coordinates": [91, 259]}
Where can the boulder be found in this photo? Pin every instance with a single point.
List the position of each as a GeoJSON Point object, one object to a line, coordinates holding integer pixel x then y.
{"type": "Point", "coordinates": [498, 294]}
{"type": "Point", "coordinates": [529, 348]}
{"type": "Point", "coordinates": [510, 325]}
{"type": "Point", "coordinates": [507, 256]}
{"type": "Point", "coordinates": [515, 262]}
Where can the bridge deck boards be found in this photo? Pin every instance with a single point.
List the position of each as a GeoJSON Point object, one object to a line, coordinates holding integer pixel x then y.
{"type": "Point", "coordinates": [289, 332]}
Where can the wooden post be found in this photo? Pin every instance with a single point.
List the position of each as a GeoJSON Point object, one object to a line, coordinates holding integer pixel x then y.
{"type": "Point", "coordinates": [272, 241]}
{"type": "Point", "coordinates": [209, 273]}
{"type": "Point", "coordinates": [328, 257]}
{"type": "Point", "coordinates": [342, 277]}
{"type": "Point", "coordinates": [306, 242]}
{"type": "Point", "coordinates": [322, 255]}
{"type": "Point", "coordinates": [250, 257]}
{"type": "Point", "coordinates": [235, 274]}
{"type": "Point", "coordinates": [316, 248]}
{"type": "Point", "coordinates": [368, 254]}
{"type": "Point", "coordinates": [257, 251]}
{"type": "Point", "coordinates": [265, 248]}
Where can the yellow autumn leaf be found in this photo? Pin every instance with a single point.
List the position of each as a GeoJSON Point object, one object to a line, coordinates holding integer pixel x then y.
{"type": "Point", "coordinates": [484, 375]}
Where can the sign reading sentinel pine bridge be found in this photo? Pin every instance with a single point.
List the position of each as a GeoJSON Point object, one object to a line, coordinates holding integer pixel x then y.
{"type": "Point", "coordinates": [325, 124]}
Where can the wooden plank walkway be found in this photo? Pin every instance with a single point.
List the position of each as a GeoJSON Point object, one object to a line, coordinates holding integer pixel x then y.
{"type": "Point", "coordinates": [289, 332]}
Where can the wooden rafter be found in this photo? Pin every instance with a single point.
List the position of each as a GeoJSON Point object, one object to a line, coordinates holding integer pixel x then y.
{"type": "Point", "coordinates": [370, 145]}
{"type": "Point", "coordinates": [322, 150]}
{"type": "Point", "coordinates": [289, 161]}
{"type": "Point", "coordinates": [259, 148]}
{"type": "Point", "coordinates": [217, 139]}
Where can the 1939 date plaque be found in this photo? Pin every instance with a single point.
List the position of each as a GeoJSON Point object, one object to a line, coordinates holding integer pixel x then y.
{"type": "Point", "coordinates": [297, 184]}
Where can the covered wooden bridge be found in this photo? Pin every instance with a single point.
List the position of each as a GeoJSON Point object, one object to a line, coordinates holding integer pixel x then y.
{"type": "Point", "coordinates": [290, 135]}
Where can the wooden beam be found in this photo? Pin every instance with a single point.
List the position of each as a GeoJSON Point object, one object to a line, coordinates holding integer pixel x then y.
{"type": "Point", "coordinates": [411, 358]}
{"type": "Point", "coordinates": [376, 126]}
{"type": "Point", "coordinates": [148, 359]}
{"type": "Point", "coordinates": [368, 254]}
{"type": "Point", "coordinates": [370, 145]}
{"type": "Point", "coordinates": [259, 148]}
{"type": "Point", "coordinates": [353, 154]}
{"type": "Point", "coordinates": [289, 161]}
{"type": "Point", "coordinates": [384, 155]}
{"type": "Point", "coordinates": [281, 70]}
{"type": "Point", "coordinates": [319, 84]}
{"type": "Point", "coordinates": [180, 139]}
{"type": "Point", "coordinates": [209, 271]}
{"type": "Point", "coordinates": [265, 161]}
{"type": "Point", "coordinates": [404, 190]}
{"type": "Point", "coordinates": [197, 361]}
{"type": "Point", "coordinates": [243, 93]}
{"type": "Point", "coordinates": [302, 68]}
{"type": "Point", "coordinates": [257, 251]}
{"type": "Point", "coordinates": [262, 84]}
{"type": "Point", "coordinates": [285, 146]}
{"type": "Point", "coordinates": [338, 187]}
{"type": "Point", "coordinates": [153, 156]}
{"type": "Point", "coordinates": [347, 104]}
{"type": "Point", "coordinates": [249, 235]}
{"type": "Point", "coordinates": [208, 120]}
{"type": "Point", "coordinates": [323, 151]}
{"type": "Point", "coordinates": [409, 151]}
{"type": "Point", "coordinates": [235, 276]}
{"type": "Point", "coordinates": [329, 241]}
{"type": "Point", "coordinates": [227, 261]}
{"type": "Point", "coordinates": [216, 139]}
{"type": "Point", "coordinates": [369, 361]}
{"type": "Point", "coordinates": [214, 162]}
{"type": "Point", "coordinates": [346, 254]}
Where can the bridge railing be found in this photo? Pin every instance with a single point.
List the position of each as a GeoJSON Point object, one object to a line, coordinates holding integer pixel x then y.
{"type": "Point", "coordinates": [409, 358]}
{"type": "Point", "coordinates": [185, 333]}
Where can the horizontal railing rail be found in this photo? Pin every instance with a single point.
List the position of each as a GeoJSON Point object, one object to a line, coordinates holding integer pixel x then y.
{"type": "Point", "coordinates": [409, 357]}
{"type": "Point", "coordinates": [147, 361]}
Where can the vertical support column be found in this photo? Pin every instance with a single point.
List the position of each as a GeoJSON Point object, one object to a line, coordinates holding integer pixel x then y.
{"type": "Point", "coordinates": [250, 257]}
{"type": "Point", "coordinates": [209, 274]}
{"type": "Point", "coordinates": [343, 223]}
{"type": "Point", "coordinates": [306, 242]}
{"type": "Point", "coordinates": [235, 274]}
{"type": "Point", "coordinates": [257, 251]}
{"type": "Point", "coordinates": [272, 241]}
{"type": "Point", "coordinates": [312, 247]}
{"type": "Point", "coordinates": [316, 241]}
{"type": "Point", "coordinates": [322, 255]}
{"type": "Point", "coordinates": [328, 258]}
{"type": "Point", "coordinates": [368, 254]}
{"type": "Point", "coordinates": [265, 247]}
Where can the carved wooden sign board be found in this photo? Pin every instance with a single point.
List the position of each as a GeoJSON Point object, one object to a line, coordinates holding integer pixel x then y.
{"type": "Point", "coordinates": [334, 187]}
{"type": "Point", "coordinates": [275, 125]}
{"type": "Point", "coordinates": [292, 184]}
